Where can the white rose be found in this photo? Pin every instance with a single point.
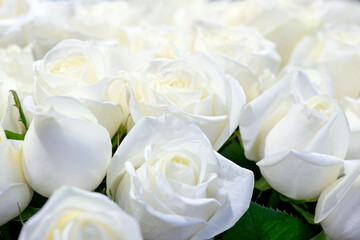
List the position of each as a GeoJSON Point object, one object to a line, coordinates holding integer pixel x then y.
{"type": "Point", "coordinates": [72, 67]}
{"type": "Point", "coordinates": [15, 16]}
{"type": "Point", "coordinates": [340, 12]}
{"type": "Point", "coordinates": [201, 10]}
{"type": "Point", "coordinates": [50, 25]}
{"type": "Point", "coordinates": [292, 116]}
{"type": "Point", "coordinates": [166, 174]}
{"type": "Point", "coordinates": [282, 22]}
{"type": "Point", "coordinates": [242, 52]}
{"type": "Point", "coordinates": [101, 20]}
{"type": "Point", "coordinates": [194, 86]}
{"type": "Point", "coordinates": [300, 175]}
{"type": "Point", "coordinates": [71, 213]}
{"type": "Point", "coordinates": [83, 20]}
{"type": "Point", "coordinates": [14, 191]}
{"type": "Point", "coordinates": [242, 44]}
{"type": "Point", "coordinates": [65, 146]}
{"type": "Point", "coordinates": [15, 74]}
{"type": "Point", "coordinates": [76, 68]}
{"type": "Point", "coordinates": [10, 118]}
{"type": "Point", "coordinates": [319, 76]}
{"type": "Point", "coordinates": [160, 41]}
{"type": "Point", "coordinates": [17, 63]}
{"type": "Point", "coordinates": [153, 12]}
{"type": "Point", "coordinates": [351, 108]}
{"type": "Point", "coordinates": [336, 49]}
{"type": "Point", "coordinates": [5, 85]}
{"type": "Point", "coordinates": [337, 208]}
{"type": "Point", "coordinates": [120, 58]}
{"type": "Point", "coordinates": [117, 92]}
{"type": "Point", "coordinates": [240, 12]}
{"type": "Point", "coordinates": [9, 114]}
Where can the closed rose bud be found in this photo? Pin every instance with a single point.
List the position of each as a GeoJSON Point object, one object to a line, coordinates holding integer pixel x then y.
{"type": "Point", "coordinates": [293, 116]}
{"type": "Point", "coordinates": [15, 194]}
{"type": "Point", "coordinates": [65, 146]}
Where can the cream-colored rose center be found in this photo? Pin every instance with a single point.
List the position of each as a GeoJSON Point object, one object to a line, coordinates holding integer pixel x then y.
{"type": "Point", "coordinates": [321, 104]}
{"type": "Point", "coordinates": [69, 216]}
{"type": "Point", "coordinates": [181, 81]}
{"type": "Point", "coordinates": [179, 167]}
{"type": "Point", "coordinates": [180, 160]}
{"type": "Point", "coordinates": [72, 67]}
{"type": "Point", "coordinates": [176, 82]}
{"type": "Point", "coordinates": [74, 217]}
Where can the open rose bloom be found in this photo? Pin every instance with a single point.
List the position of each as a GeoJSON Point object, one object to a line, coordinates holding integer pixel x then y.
{"type": "Point", "coordinates": [179, 119]}
{"type": "Point", "coordinates": [167, 175]}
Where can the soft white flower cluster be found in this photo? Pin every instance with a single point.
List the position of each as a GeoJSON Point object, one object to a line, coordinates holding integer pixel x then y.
{"type": "Point", "coordinates": [180, 77]}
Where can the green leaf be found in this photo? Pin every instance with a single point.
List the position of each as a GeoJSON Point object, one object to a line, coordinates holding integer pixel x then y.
{"type": "Point", "coordinates": [274, 199]}
{"type": "Point", "coordinates": [234, 151]}
{"type": "Point", "coordinates": [27, 213]}
{"type": "Point", "coordinates": [37, 201]}
{"type": "Point", "coordinates": [20, 217]}
{"type": "Point", "coordinates": [111, 195]}
{"type": "Point", "coordinates": [266, 223]}
{"type": "Point", "coordinates": [6, 233]}
{"type": "Point", "coordinates": [18, 105]}
{"type": "Point", "coordinates": [262, 185]}
{"type": "Point", "coordinates": [118, 137]}
{"type": "Point", "coordinates": [302, 207]}
{"type": "Point", "coordinates": [305, 213]}
{"type": "Point", "coordinates": [321, 236]}
{"type": "Point", "coordinates": [102, 187]}
{"type": "Point", "coordinates": [10, 230]}
{"type": "Point", "coordinates": [13, 136]}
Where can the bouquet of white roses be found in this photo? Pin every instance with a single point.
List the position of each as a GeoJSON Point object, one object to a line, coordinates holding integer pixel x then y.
{"type": "Point", "coordinates": [179, 119]}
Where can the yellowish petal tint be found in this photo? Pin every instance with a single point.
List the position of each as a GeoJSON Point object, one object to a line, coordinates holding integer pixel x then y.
{"type": "Point", "coordinates": [321, 104]}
